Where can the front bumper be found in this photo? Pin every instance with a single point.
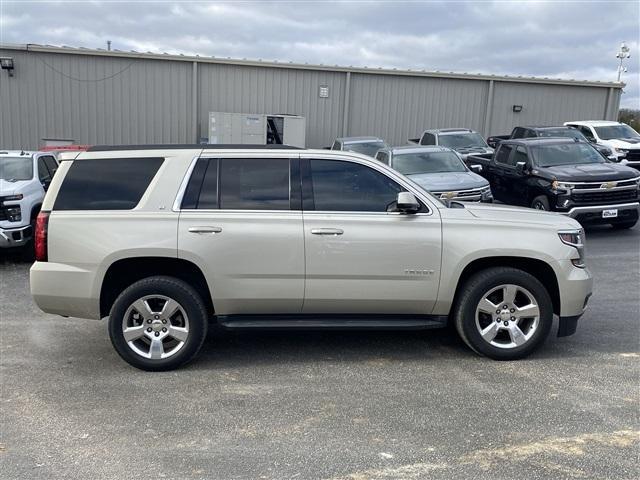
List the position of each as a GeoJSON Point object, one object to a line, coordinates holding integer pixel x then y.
{"type": "Point", "coordinates": [592, 214]}
{"type": "Point", "coordinates": [576, 286]}
{"type": "Point", "coordinates": [15, 237]}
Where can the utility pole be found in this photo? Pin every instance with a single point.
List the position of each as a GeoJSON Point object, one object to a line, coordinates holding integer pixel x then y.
{"type": "Point", "coordinates": [109, 46]}
{"type": "Point", "coordinates": [623, 54]}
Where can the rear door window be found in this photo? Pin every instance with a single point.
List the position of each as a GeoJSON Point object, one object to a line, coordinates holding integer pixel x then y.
{"type": "Point", "coordinates": [504, 152]}
{"type": "Point", "coordinates": [109, 184]}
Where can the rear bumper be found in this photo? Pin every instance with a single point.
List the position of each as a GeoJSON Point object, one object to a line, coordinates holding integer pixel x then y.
{"type": "Point", "coordinates": [15, 237]}
{"type": "Point", "coordinates": [593, 213]}
{"type": "Point", "coordinates": [64, 290]}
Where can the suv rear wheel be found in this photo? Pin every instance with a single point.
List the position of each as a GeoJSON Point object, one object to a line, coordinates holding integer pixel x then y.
{"type": "Point", "coordinates": [503, 313]}
{"type": "Point", "coordinates": [158, 323]}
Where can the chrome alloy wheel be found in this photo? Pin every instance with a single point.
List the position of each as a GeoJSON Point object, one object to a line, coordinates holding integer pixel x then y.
{"type": "Point", "coordinates": [507, 316]}
{"type": "Point", "coordinates": [155, 327]}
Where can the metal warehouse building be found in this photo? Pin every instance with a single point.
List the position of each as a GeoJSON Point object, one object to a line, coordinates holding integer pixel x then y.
{"type": "Point", "coordinates": [115, 97]}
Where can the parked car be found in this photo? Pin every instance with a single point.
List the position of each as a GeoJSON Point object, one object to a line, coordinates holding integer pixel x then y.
{"type": "Point", "coordinates": [438, 170]}
{"type": "Point", "coordinates": [565, 176]}
{"type": "Point", "coordinates": [563, 131]}
{"type": "Point", "coordinates": [462, 140]}
{"type": "Point", "coordinates": [163, 239]}
{"type": "Point", "coordinates": [620, 137]}
{"type": "Point", "coordinates": [24, 178]}
{"type": "Point", "coordinates": [364, 145]}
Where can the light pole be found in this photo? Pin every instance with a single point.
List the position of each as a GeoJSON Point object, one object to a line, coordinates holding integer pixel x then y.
{"type": "Point", "coordinates": [622, 55]}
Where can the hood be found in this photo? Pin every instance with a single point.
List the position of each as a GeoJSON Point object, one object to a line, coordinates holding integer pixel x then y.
{"type": "Point", "coordinates": [508, 213]}
{"type": "Point", "coordinates": [632, 143]}
{"type": "Point", "coordinates": [465, 152]}
{"type": "Point", "coordinates": [449, 181]}
{"type": "Point", "coordinates": [11, 188]}
{"type": "Point", "coordinates": [593, 172]}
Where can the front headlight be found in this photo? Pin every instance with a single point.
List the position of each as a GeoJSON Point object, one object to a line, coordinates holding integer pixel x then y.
{"type": "Point", "coordinates": [575, 239]}
{"type": "Point", "coordinates": [486, 192]}
{"type": "Point", "coordinates": [561, 186]}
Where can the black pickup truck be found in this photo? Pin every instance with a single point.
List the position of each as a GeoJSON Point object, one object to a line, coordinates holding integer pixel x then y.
{"type": "Point", "coordinates": [560, 131]}
{"type": "Point", "coordinates": [565, 176]}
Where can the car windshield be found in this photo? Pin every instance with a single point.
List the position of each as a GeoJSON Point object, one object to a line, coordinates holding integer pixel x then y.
{"type": "Point", "coordinates": [13, 169]}
{"type": "Point", "coordinates": [562, 132]}
{"type": "Point", "coordinates": [366, 148]}
{"type": "Point", "coordinates": [616, 131]}
{"type": "Point", "coordinates": [427, 162]}
{"type": "Point", "coordinates": [459, 141]}
{"type": "Point", "coordinates": [565, 154]}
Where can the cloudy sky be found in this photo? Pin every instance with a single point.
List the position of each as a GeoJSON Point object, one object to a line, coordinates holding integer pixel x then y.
{"type": "Point", "coordinates": [568, 39]}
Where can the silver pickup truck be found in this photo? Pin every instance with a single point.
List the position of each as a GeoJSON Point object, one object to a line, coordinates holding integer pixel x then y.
{"type": "Point", "coordinates": [164, 239]}
{"type": "Point", "coordinates": [438, 170]}
{"type": "Point", "coordinates": [463, 140]}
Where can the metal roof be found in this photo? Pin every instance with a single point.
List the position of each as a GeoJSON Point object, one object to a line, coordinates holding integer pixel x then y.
{"type": "Point", "coordinates": [31, 47]}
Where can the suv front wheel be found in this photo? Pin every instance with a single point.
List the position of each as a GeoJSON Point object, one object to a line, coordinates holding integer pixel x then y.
{"type": "Point", "coordinates": [158, 323]}
{"type": "Point", "coordinates": [503, 313]}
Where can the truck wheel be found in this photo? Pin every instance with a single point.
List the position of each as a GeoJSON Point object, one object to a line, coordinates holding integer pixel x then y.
{"type": "Point", "coordinates": [503, 313]}
{"type": "Point", "coordinates": [624, 225]}
{"type": "Point", "coordinates": [541, 203]}
{"type": "Point", "coordinates": [158, 323]}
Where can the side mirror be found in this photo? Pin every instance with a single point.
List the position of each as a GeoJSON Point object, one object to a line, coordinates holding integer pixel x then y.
{"type": "Point", "coordinates": [476, 168]}
{"type": "Point", "coordinates": [407, 203]}
{"type": "Point", "coordinates": [520, 167]}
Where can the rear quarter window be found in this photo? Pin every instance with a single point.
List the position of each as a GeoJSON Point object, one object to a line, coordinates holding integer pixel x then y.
{"type": "Point", "coordinates": [109, 184]}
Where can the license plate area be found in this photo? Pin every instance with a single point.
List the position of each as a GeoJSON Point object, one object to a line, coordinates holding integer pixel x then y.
{"type": "Point", "coordinates": [610, 213]}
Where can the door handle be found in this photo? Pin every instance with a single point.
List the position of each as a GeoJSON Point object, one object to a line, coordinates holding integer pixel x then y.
{"type": "Point", "coordinates": [211, 230]}
{"type": "Point", "coordinates": [327, 231]}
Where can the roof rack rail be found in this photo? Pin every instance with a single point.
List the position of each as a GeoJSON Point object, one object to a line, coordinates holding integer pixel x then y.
{"type": "Point", "coordinates": [188, 146]}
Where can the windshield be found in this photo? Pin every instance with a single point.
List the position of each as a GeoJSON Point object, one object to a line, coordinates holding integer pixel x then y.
{"type": "Point", "coordinates": [616, 131]}
{"type": "Point", "coordinates": [432, 162]}
{"type": "Point", "coordinates": [566, 154]}
{"type": "Point", "coordinates": [460, 141]}
{"type": "Point", "coordinates": [366, 148]}
{"type": "Point", "coordinates": [13, 169]}
{"type": "Point", "coordinates": [562, 132]}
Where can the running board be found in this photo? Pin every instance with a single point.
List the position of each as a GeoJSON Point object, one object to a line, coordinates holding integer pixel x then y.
{"type": "Point", "coordinates": [332, 322]}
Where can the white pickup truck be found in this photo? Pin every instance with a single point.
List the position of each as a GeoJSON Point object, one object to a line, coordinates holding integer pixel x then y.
{"type": "Point", "coordinates": [24, 179]}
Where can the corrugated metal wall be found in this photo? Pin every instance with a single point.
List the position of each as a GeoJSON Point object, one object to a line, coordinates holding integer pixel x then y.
{"type": "Point", "coordinates": [544, 105]}
{"type": "Point", "coordinates": [396, 108]}
{"type": "Point", "coordinates": [241, 89]}
{"type": "Point", "coordinates": [100, 99]}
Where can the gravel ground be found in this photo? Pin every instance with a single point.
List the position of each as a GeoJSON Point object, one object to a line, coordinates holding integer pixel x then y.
{"type": "Point", "coordinates": [335, 405]}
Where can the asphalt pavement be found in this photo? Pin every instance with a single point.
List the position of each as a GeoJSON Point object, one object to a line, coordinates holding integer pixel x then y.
{"type": "Point", "coordinates": [354, 406]}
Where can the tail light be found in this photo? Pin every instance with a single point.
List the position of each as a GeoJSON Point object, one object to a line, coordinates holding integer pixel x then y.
{"type": "Point", "coordinates": [42, 227]}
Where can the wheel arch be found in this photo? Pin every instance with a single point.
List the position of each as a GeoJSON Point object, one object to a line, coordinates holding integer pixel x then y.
{"type": "Point", "coordinates": [540, 269]}
{"type": "Point", "coordinates": [126, 271]}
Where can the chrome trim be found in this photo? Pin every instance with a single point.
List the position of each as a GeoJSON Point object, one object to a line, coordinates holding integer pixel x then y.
{"type": "Point", "coordinates": [598, 208]}
{"type": "Point", "coordinates": [595, 190]}
{"type": "Point", "coordinates": [185, 181]}
{"type": "Point", "coordinates": [636, 179]}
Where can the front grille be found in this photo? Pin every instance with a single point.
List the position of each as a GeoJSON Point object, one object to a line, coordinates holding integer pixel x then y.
{"type": "Point", "coordinates": [473, 195]}
{"type": "Point", "coordinates": [619, 183]}
{"type": "Point", "coordinates": [633, 155]}
{"type": "Point", "coordinates": [606, 196]}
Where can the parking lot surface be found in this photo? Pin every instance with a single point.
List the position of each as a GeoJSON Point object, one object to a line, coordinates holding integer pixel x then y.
{"type": "Point", "coordinates": [382, 405]}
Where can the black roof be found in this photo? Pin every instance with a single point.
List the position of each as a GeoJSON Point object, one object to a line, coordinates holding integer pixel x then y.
{"type": "Point", "coordinates": [539, 141]}
{"type": "Point", "coordinates": [188, 146]}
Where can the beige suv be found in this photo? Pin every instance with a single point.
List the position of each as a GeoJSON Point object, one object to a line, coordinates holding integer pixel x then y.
{"type": "Point", "coordinates": [164, 239]}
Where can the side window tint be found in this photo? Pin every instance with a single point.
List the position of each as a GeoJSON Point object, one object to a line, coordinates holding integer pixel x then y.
{"type": "Point", "coordinates": [336, 146]}
{"type": "Point", "coordinates": [110, 184]}
{"type": "Point", "coordinates": [51, 165]}
{"type": "Point", "coordinates": [428, 139]}
{"type": "Point", "coordinates": [350, 187]}
{"type": "Point", "coordinates": [503, 154]}
{"type": "Point", "coordinates": [519, 156]}
{"type": "Point", "coordinates": [383, 157]}
{"type": "Point", "coordinates": [586, 131]}
{"type": "Point", "coordinates": [43, 171]}
{"type": "Point", "coordinates": [517, 133]}
{"type": "Point", "coordinates": [254, 184]}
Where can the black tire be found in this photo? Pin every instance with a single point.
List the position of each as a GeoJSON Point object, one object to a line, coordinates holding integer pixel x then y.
{"type": "Point", "coordinates": [541, 203]}
{"type": "Point", "coordinates": [185, 295]}
{"type": "Point", "coordinates": [474, 289]}
{"type": "Point", "coordinates": [624, 225]}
